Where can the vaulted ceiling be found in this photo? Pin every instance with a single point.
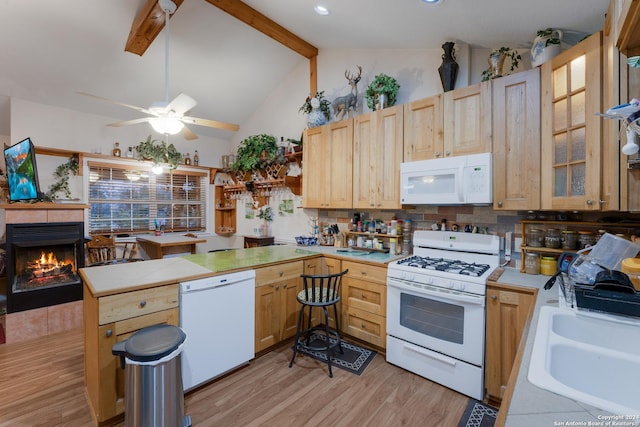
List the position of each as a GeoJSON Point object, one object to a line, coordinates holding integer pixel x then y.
{"type": "Point", "coordinates": [49, 50]}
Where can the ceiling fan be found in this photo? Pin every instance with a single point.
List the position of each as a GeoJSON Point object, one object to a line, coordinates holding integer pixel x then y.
{"type": "Point", "coordinates": [168, 117]}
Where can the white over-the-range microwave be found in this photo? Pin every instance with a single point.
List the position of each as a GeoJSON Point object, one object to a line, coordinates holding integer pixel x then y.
{"type": "Point", "coordinates": [448, 181]}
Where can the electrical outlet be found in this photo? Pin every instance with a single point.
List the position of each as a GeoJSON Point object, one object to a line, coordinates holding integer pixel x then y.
{"type": "Point", "coordinates": [517, 242]}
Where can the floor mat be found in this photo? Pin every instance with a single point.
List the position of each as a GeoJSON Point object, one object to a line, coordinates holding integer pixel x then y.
{"type": "Point", "coordinates": [478, 414]}
{"type": "Point", "coordinates": [355, 358]}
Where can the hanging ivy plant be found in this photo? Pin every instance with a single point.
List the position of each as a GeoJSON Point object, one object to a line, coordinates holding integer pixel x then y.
{"type": "Point", "coordinates": [61, 174]}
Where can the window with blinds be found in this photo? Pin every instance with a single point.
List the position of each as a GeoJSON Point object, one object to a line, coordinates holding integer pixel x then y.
{"type": "Point", "coordinates": [127, 198]}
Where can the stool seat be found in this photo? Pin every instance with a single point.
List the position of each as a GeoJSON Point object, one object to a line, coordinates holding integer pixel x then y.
{"type": "Point", "coordinates": [319, 291]}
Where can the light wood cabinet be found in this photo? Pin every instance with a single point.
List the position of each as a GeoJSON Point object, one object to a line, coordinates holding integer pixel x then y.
{"type": "Point", "coordinates": [225, 212]}
{"type": "Point", "coordinates": [467, 120]}
{"type": "Point", "coordinates": [508, 311]}
{"type": "Point", "coordinates": [111, 319]}
{"type": "Point", "coordinates": [364, 303]}
{"type": "Point", "coordinates": [276, 305]}
{"type": "Point", "coordinates": [423, 129]}
{"type": "Point", "coordinates": [628, 27]}
{"type": "Point", "coordinates": [571, 131]}
{"type": "Point", "coordinates": [377, 154]}
{"type": "Point", "coordinates": [516, 141]}
{"type": "Point", "coordinates": [327, 161]}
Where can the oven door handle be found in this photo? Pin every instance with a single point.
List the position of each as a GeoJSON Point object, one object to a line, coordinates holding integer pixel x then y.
{"type": "Point", "coordinates": [430, 355]}
{"type": "Point", "coordinates": [451, 296]}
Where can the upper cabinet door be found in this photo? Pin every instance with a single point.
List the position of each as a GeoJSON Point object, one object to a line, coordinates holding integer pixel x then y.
{"type": "Point", "coordinates": [516, 141]}
{"type": "Point", "coordinates": [338, 164]}
{"type": "Point", "coordinates": [467, 120]}
{"type": "Point", "coordinates": [571, 131]}
{"type": "Point", "coordinates": [423, 134]}
{"type": "Point", "coordinates": [313, 151]}
{"type": "Point", "coordinates": [377, 152]}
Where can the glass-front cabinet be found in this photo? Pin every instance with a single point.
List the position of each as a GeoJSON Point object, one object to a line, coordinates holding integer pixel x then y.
{"type": "Point", "coordinates": [571, 130]}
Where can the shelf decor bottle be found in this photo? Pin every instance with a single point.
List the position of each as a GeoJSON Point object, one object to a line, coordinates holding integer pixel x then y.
{"type": "Point", "coordinates": [187, 159]}
{"type": "Point", "coordinates": [196, 158]}
{"type": "Point", "coordinates": [116, 150]}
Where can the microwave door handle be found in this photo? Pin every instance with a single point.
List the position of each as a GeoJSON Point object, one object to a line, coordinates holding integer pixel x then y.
{"type": "Point", "coordinates": [460, 182]}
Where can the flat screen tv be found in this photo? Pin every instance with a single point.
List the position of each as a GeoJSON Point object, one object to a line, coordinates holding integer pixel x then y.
{"type": "Point", "coordinates": [22, 173]}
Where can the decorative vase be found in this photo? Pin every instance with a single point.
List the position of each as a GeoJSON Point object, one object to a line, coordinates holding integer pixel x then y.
{"type": "Point", "coordinates": [383, 100]}
{"type": "Point", "coordinates": [265, 229]}
{"type": "Point", "coordinates": [449, 68]}
{"type": "Point", "coordinates": [496, 64]}
{"type": "Point", "coordinates": [316, 118]}
{"type": "Point", "coordinates": [542, 50]}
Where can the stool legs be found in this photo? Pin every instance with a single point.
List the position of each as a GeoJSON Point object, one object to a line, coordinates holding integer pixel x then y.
{"type": "Point", "coordinates": [303, 337]}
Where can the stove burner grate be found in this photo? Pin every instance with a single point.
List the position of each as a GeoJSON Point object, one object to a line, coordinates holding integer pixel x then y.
{"type": "Point", "coordinates": [446, 265]}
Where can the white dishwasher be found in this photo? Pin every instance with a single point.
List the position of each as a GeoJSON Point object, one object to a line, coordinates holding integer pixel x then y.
{"type": "Point", "coordinates": [217, 314]}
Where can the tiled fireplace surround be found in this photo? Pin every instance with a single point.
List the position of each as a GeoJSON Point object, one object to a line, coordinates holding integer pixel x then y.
{"type": "Point", "coordinates": [25, 325]}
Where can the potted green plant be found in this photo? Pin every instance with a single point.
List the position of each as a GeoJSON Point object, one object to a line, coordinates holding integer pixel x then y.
{"type": "Point", "coordinates": [159, 152]}
{"type": "Point", "coordinates": [497, 59]}
{"type": "Point", "coordinates": [266, 215]}
{"type": "Point", "coordinates": [255, 152]}
{"type": "Point", "coordinates": [324, 105]}
{"type": "Point", "coordinates": [384, 85]}
{"type": "Point", "coordinates": [62, 173]}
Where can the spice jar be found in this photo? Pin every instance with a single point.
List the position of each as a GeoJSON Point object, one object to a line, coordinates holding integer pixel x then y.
{"type": "Point", "coordinates": [585, 239]}
{"type": "Point", "coordinates": [548, 265]}
{"type": "Point", "coordinates": [569, 239]}
{"type": "Point", "coordinates": [553, 238]}
{"type": "Point", "coordinates": [535, 238]}
{"type": "Point", "coordinates": [532, 263]}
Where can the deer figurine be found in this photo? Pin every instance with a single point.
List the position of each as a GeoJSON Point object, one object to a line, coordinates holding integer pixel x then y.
{"type": "Point", "coordinates": [343, 104]}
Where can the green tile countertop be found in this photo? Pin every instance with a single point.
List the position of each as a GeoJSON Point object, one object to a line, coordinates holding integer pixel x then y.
{"type": "Point", "coordinates": [242, 259]}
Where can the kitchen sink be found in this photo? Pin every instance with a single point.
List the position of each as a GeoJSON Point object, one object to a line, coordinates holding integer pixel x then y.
{"type": "Point", "coordinates": [591, 359]}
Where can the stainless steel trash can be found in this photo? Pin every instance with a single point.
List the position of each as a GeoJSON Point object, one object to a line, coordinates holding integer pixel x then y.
{"type": "Point", "coordinates": [153, 379]}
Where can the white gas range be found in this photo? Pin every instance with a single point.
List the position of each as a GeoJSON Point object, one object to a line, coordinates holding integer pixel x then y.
{"type": "Point", "coordinates": [436, 308]}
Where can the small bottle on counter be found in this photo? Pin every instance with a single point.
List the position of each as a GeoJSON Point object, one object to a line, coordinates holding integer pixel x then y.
{"type": "Point", "coordinates": [116, 150]}
{"type": "Point", "coordinates": [130, 153]}
{"type": "Point", "coordinates": [187, 159]}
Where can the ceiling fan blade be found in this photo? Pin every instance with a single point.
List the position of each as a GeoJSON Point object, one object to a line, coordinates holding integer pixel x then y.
{"type": "Point", "coordinates": [181, 104]}
{"type": "Point", "coordinates": [133, 107]}
{"type": "Point", "coordinates": [210, 123]}
{"type": "Point", "coordinates": [129, 122]}
{"type": "Point", "coordinates": [188, 134]}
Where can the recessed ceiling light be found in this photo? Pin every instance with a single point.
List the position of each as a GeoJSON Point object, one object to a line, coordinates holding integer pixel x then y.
{"type": "Point", "coordinates": [321, 10]}
{"type": "Point", "coordinates": [431, 1]}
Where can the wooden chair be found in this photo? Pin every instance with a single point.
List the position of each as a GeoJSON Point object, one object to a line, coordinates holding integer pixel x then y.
{"type": "Point", "coordinates": [100, 249]}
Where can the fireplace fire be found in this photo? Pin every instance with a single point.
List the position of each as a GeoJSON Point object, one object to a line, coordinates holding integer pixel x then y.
{"type": "Point", "coordinates": [42, 264]}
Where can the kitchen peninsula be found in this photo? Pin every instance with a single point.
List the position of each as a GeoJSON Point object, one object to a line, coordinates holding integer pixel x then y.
{"type": "Point", "coordinates": [121, 299]}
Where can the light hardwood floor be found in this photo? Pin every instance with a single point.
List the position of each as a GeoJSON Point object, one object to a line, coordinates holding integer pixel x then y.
{"type": "Point", "coordinates": [41, 384]}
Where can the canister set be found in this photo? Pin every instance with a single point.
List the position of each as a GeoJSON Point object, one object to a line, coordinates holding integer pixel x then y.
{"type": "Point", "coordinates": [555, 238]}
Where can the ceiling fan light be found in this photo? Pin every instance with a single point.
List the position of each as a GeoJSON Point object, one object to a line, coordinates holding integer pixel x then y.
{"type": "Point", "coordinates": [431, 1]}
{"type": "Point", "coordinates": [166, 125]}
{"type": "Point", "coordinates": [156, 169]}
{"type": "Point", "coordinates": [321, 10]}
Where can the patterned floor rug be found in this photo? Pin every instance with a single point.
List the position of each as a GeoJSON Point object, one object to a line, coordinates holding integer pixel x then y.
{"type": "Point", "coordinates": [478, 414]}
{"type": "Point", "coordinates": [355, 358]}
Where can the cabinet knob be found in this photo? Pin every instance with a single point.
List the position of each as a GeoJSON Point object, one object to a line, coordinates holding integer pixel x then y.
{"type": "Point", "coordinates": [602, 202]}
{"type": "Point", "coordinates": [500, 204]}
{"type": "Point", "coordinates": [448, 153]}
{"type": "Point", "coordinates": [284, 286]}
{"type": "Point", "coordinates": [277, 287]}
{"type": "Point", "coordinates": [364, 273]}
{"type": "Point", "coordinates": [363, 296]}
{"type": "Point", "coordinates": [371, 204]}
{"type": "Point", "coordinates": [281, 273]}
{"type": "Point", "coordinates": [143, 304]}
{"type": "Point", "coordinates": [438, 154]}
{"type": "Point", "coordinates": [589, 202]}
{"type": "Point", "coordinates": [493, 297]}
{"type": "Point", "coordinates": [109, 333]}
{"type": "Point", "coordinates": [363, 326]}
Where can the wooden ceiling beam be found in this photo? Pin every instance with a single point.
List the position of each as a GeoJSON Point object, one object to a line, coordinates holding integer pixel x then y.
{"type": "Point", "coordinates": [146, 26]}
{"type": "Point", "coordinates": [255, 19]}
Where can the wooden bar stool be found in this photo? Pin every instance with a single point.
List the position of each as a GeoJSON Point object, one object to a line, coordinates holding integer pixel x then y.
{"type": "Point", "coordinates": [319, 291]}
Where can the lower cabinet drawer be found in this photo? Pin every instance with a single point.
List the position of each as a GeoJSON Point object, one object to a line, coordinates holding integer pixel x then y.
{"type": "Point", "coordinates": [366, 326]}
{"type": "Point", "coordinates": [126, 305]}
